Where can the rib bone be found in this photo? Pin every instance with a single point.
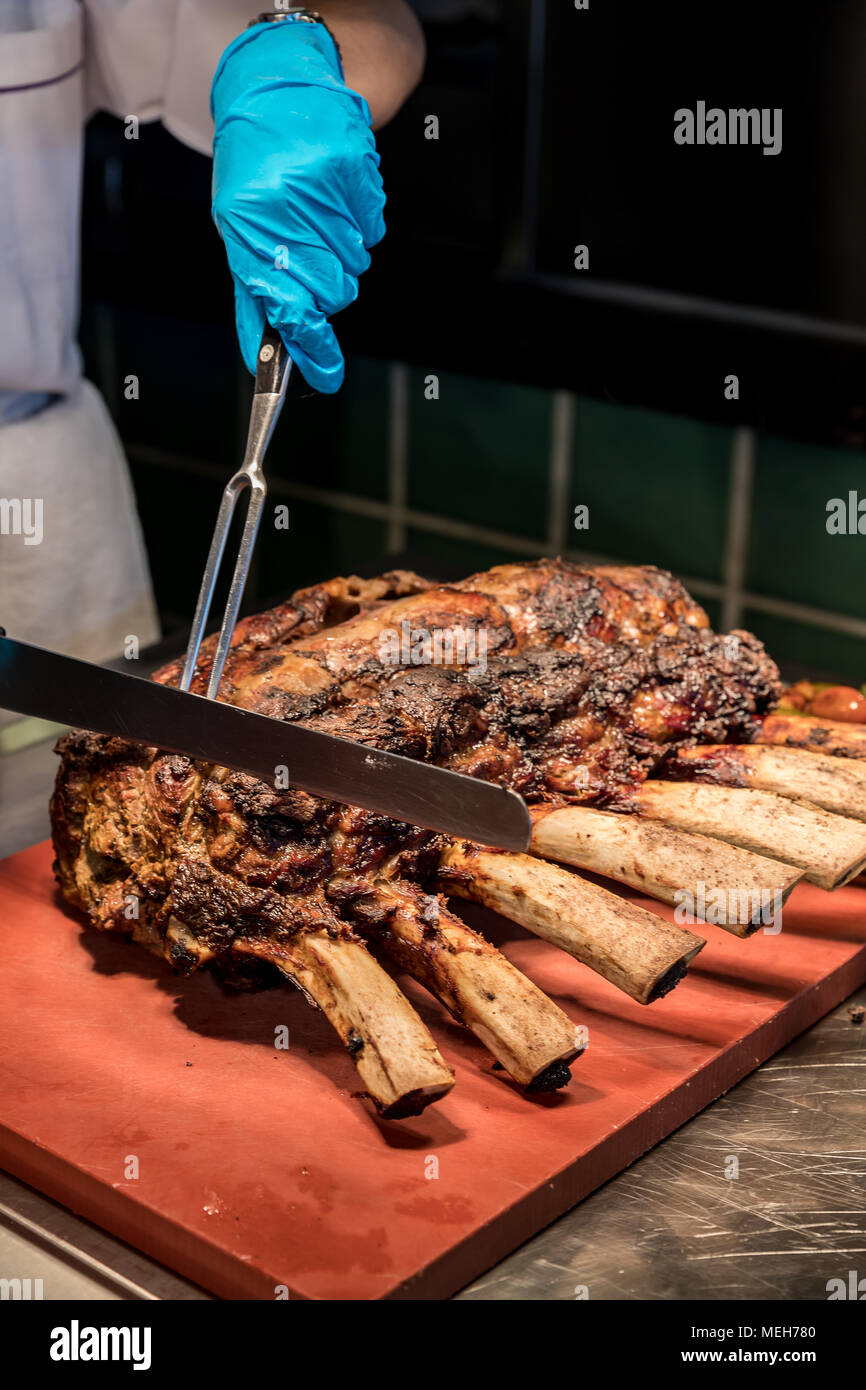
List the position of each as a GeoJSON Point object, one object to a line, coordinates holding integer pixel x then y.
{"type": "Point", "coordinates": [672, 865]}
{"type": "Point", "coordinates": [396, 1057]}
{"type": "Point", "coordinates": [633, 949]}
{"type": "Point", "coordinates": [526, 1032]}
{"type": "Point", "coordinates": [832, 736]}
{"type": "Point", "coordinates": [836, 784]}
{"type": "Point", "coordinates": [830, 849]}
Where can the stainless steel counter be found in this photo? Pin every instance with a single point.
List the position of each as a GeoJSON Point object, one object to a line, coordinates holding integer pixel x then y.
{"type": "Point", "coordinates": [675, 1225]}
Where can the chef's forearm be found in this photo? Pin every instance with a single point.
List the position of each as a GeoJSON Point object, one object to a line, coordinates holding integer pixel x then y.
{"type": "Point", "coordinates": [382, 47]}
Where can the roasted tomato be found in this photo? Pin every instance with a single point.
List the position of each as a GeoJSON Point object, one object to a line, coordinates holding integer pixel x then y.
{"type": "Point", "coordinates": [839, 702]}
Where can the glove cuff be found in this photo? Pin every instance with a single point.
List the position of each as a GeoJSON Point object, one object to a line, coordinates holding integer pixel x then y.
{"type": "Point", "coordinates": [295, 49]}
{"type": "Point", "coordinates": [306, 16]}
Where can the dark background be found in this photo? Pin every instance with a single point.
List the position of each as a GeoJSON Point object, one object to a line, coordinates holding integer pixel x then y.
{"type": "Point", "coordinates": [556, 128]}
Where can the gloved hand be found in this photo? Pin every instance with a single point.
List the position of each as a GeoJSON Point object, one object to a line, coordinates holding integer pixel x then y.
{"type": "Point", "coordinates": [297, 194]}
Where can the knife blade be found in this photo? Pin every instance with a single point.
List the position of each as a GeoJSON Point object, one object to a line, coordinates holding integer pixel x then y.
{"type": "Point", "coordinates": [34, 681]}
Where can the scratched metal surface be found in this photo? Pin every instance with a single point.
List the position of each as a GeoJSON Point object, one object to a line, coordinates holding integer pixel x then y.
{"type": "Point", "coordinates": [673, 1226]}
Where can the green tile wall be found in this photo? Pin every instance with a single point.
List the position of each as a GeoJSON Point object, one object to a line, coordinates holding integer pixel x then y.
{"type": "Point", "coordinates": [803, 650]}
{"type": "Point", "coordinates": [791, 554]}
{"type": "Point", "coordinates": [480, 452]}
{"type": "Point", "coordinates": [713, 609]}
{"type": "Point", "coordinates": [319, 544]}
{"type": "Point", "coordinates": [656, 486]}
{"type": "Point", "coordinates": [177, 512]}
{"type": "Point", "coordinates": [445, 557]}
{"type": "Point", "coordinates": [338, 442]}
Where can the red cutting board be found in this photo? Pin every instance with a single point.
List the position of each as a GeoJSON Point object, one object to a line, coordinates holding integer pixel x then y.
{"type": "Point", "coordinates": [259, 1168]}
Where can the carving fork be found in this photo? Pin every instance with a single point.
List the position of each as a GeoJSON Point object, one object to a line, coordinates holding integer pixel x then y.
{"type": "Point", "coordinates": [273, 369]}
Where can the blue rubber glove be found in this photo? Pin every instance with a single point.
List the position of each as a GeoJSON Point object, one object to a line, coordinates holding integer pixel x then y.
{"type": "Point", "coordinates": [297, 194]}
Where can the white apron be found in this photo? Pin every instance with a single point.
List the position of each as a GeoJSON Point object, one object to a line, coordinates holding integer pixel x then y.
{"type": "Point", "coordinates": [78, 580]}
{"type": "Point", "coordinates": [75, 576]}
{"type": "Point", "coordinates": [83, 588]}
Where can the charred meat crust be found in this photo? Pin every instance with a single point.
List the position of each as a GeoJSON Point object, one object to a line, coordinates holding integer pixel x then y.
{"type": "Point", "coordinates": [592, 675]}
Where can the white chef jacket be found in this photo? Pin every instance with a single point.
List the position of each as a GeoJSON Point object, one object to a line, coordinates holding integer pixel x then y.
{"type": "Point", "coordinates": [60, 60]}
{"type": "Point", "coordinates": [84, 588]}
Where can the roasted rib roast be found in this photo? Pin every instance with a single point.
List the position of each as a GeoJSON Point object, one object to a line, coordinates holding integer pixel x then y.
{"type": "Point", "coordinates": [589, 678]}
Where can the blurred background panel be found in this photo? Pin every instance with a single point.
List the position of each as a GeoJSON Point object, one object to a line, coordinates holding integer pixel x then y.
{"type": "Point", "coordinates": [491, 387]}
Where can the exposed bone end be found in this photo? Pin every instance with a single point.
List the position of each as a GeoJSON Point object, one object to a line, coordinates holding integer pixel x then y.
{"type": "Point", "coordinates": [397, 1059]}
{"type": "Point", "coordinates": [413, 1103]}
{"type": "Point", "coordinates": [670, 979]}
{"type": "Point", "coordinates": [553, 1078]}
{"type": "Point", "coordinates": [830, 849]}
{"type": "Point", "coordinates": [636, 951]}
{"type": "Point", "coordinates": [831, 736]}
{"type": "Point", "coordinates": [526, 1032]}
{"type": "Point", "coordinates": [183, 949]}
{"type": "Point", "coordinates": [835, 784]}
{"type": "Point", "coordinates": [672, 865]}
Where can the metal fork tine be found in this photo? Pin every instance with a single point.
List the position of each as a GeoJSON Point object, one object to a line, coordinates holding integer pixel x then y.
{"type": "Point", "coordinates": [272, 375]}
{"type": "Point", "coordinates": [255, 508]}
{"type": "Point", "coordinates": [209, 579]}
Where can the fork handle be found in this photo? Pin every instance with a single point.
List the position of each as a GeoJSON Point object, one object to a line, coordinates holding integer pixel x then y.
{"type": "Point", "coordinates": [272, 364]}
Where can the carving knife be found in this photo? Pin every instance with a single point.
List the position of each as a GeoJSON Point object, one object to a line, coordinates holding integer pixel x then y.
{"type": "Point", "coordinates": [37, 682]}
